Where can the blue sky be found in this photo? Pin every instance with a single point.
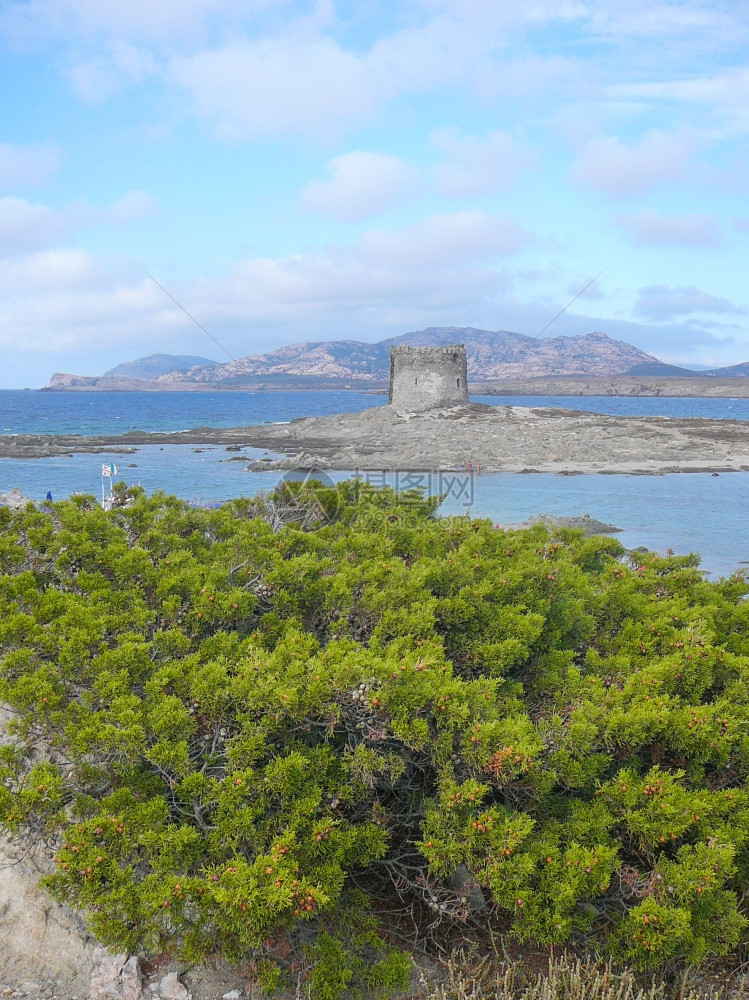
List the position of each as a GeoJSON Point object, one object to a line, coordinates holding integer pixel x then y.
{"type": "Point", "coordinates": [298, 171]}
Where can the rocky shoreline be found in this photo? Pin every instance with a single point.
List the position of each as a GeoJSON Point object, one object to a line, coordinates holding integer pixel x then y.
{"type": "Point", "coordinates": [494, 439]}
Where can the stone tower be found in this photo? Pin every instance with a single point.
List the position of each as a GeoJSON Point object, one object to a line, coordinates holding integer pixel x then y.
{"type": "Point", "coordinates": [427, 378]}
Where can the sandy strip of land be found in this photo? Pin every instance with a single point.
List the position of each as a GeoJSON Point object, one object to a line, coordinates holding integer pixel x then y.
{"type": "Point", "coordinates": [507, 438]}
{"type": "Point", "coordinates": [700, 386]}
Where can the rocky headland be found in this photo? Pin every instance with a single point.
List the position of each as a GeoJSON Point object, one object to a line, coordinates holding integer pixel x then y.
{"type": "Point", "coordinates": [507, 439]}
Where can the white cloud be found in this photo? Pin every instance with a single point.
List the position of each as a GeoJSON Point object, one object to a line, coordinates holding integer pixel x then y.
{"type": "Point", "coordinates": [264, 67]}
{"type": "Point", "coordinates": [531, 78]}
{"type": "Point", "coordinates": [70, 299]}
{"type": "Point", "coordinates": [608, 165]}
{"type": "Point", "coordinates": [661, 302]}
{"type": "Point", "coordinates": [132, 207]}
{"type": "Point", "coordinates": [442, 266]}
{"type": "Point", "coordinates": [695, 22]}
{"type": "Point", "coordinates": [493, 16]}
{"type": "Point", "coordinates": [247, 65]}
{"type": "Point", "coordinates": [26, 227]}
{"type": "Point", "coordinates": [440, 269]}
{"type": "Point", "coordinates": [274, 66]}
{"type": "Point", "coordinates": [121, 66]}
{"type": "Point", "coordinates": [722, 98]}
{"type": "Point", "coordinates": [444, 241]}
{"type": "Point", "coordinates": [727, 87]}
{"type": "Point", "coordinates": [23, 166]}
{"type": "Point", "coordinates": [443, 271]}
{"type": "Point", "coordinates": [94, 309]}
{"type": "Point", "coordinates": [594, 291]}
{"type": "Point", "coordinates": [276, 86]}
{"type": "Point", "coordinates": [165, 21]}
{"type": "Point", "coordinates": [649, 228]}
{"type": "Point", "coordinates": [645, 19]}
{"type": "Point", "coordinates": [51, 272]}
{"type": "Point", "coordinates": [362, 184]}
{"type": "Point", "coordinates": [475, 166]}
{"type": "Point", "coordinates": [309, 83]}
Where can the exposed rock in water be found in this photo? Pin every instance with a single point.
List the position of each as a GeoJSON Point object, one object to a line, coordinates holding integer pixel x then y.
{"type": "Point", "coordinates": [589, 524]}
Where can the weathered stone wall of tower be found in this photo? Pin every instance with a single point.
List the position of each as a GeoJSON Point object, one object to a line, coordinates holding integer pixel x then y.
{"type": "Point", "coordinates": [427, 378]}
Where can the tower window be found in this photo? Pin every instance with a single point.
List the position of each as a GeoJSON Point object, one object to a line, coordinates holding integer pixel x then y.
{"type": "Point", "coordinates": [416, 381]}
{"type": "Point", "coordinates": [457, 382]}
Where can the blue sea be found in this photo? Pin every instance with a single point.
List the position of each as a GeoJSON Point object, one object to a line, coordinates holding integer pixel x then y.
{"type": "Point", "coordinates": [24, 412]}
{"type": "Point", "coordinates": [694, 512]}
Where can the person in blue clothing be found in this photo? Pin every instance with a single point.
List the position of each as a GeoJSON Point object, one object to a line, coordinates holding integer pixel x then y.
{"type": "Point", "coordinates": [49, 494]}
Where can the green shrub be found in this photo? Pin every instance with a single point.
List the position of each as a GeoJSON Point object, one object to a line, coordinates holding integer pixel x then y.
{"type": "Point", "coordinates": [251, 736]}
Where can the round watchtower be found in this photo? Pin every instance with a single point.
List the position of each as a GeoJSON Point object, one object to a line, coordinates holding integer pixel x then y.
{"type": "Point", "coordinates": [428, 378]}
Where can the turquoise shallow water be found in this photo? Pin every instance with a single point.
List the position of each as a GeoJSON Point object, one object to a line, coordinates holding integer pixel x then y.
{"type": "Point", "coordinates": [687, 512]}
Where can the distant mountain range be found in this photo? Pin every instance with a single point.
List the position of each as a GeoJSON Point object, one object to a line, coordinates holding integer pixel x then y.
{"type": "Point", "coordinates": [492, 356]}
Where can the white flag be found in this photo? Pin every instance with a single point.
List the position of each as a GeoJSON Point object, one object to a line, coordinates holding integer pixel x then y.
{"type": "Point", "coordinates": [106, 470]}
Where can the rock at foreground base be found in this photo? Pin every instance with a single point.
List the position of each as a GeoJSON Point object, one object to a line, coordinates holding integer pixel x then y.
{"type": "Point", "coordinates": [40, 939]}
{"type": "Point", "coordinates": [116, 977]}
{"type": "Point", "coordinates": [171, 988]}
